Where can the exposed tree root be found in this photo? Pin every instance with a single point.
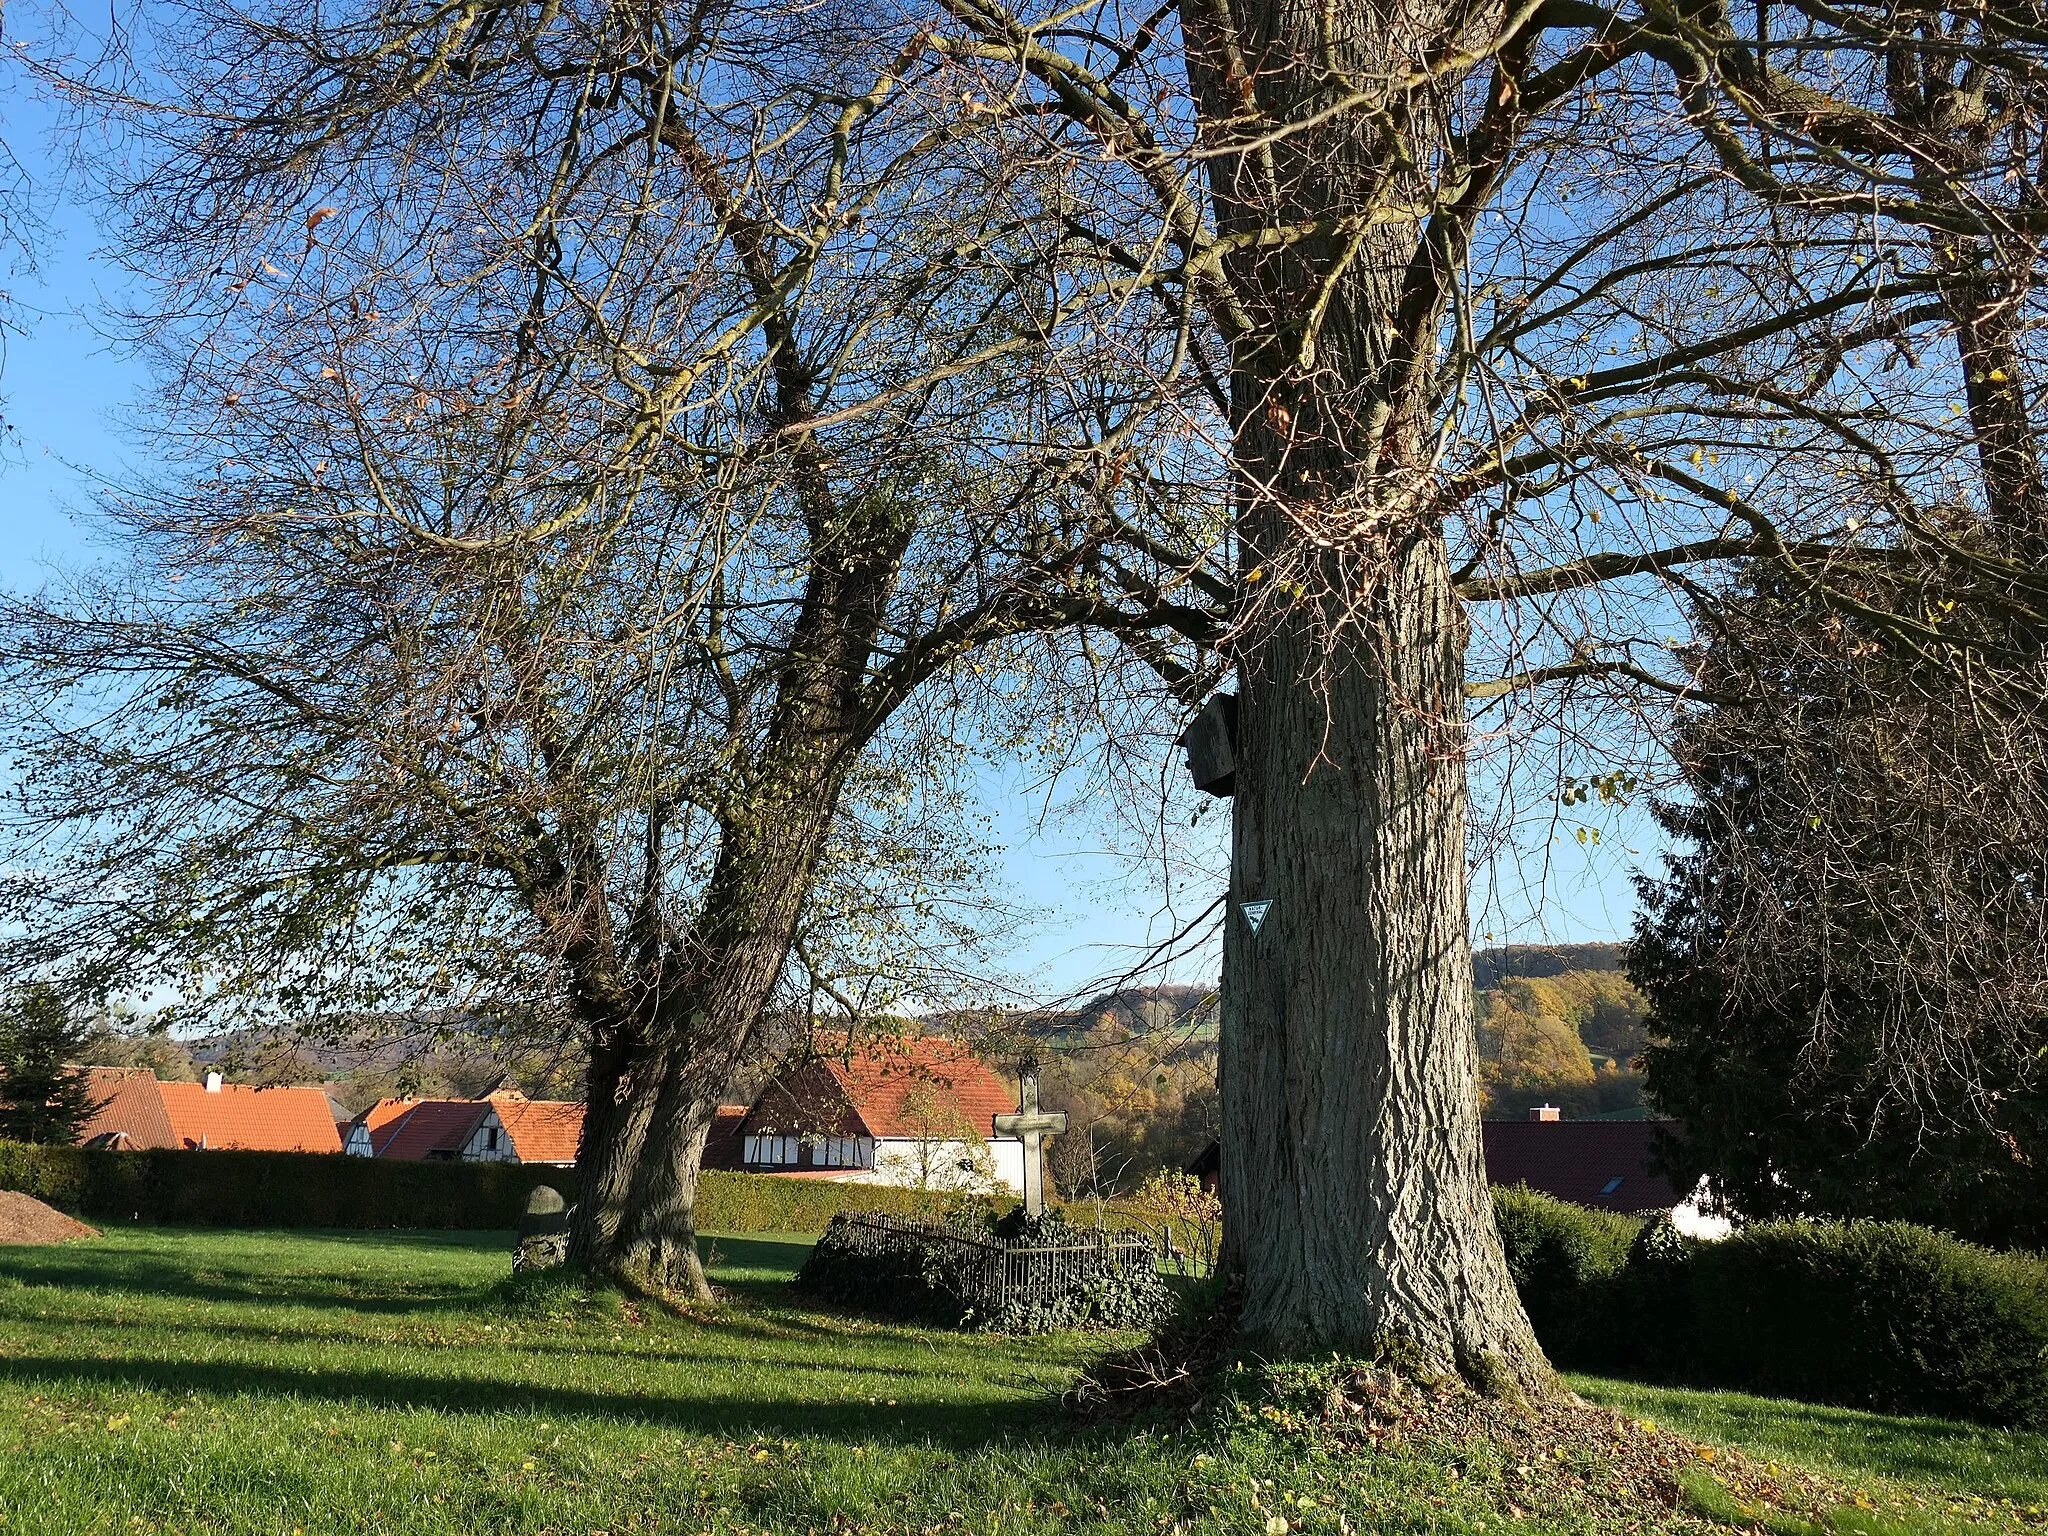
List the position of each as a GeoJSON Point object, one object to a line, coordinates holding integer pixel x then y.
{"type": "Point", "coordinates": [1557, 1456]}
{"type": "Point", "coordinates": [1554, 1456]}
{"type": "Point", "coordinates": [1549, 1457]}
{"type": "Point", "coordinates": [1170, 1374]}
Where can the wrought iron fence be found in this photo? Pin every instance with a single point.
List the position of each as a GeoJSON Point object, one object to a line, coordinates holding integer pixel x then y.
{"type": "Point", "coordinates": [988, 1274]}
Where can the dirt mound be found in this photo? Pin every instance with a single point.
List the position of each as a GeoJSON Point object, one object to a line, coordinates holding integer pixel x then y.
{"type": "Point", "coordinates": [23, 1220]}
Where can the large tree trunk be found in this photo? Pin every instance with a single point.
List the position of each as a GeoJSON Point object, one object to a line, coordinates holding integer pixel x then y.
{"type": "Point", "coordinates": [1353, 1176]}
{"type": "Point", "coordinates": [654, 1090]}
{"type": "Point", "coordinates": [620, 1089]}
{"type": "Point", "coordinates": [756, 896]}
{"type": "Point", "coordinates": [1359, 1214]}
{"type": "Point", "coordinates": [770, 845]}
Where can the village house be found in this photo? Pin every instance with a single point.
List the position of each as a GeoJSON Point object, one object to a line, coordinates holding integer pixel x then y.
{"type": "Point", "coordinates": [135, 1112]}
{"type": "Point", "coordinates": [504, 1126]}
{"type": "Point", "coordinates": [1604, 1164]}
{"type": "Point", "coordinates": [915, 1113]}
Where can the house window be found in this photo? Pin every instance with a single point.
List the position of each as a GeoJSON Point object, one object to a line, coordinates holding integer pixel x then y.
{"type": "Point", "coordinates": [842, 1152]}
{"type": "Point", "coordinates": [772, 1151]}
{"type": "Point", "coordinates": [1610, 1186]}
{"type": "Point", "coordinates": [495, 1134]}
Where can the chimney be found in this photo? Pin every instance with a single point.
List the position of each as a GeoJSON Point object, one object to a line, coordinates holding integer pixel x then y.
{"type": "Point", "coordinates": [213, 1085]}
{"type": "Point", "coordinates": [1544, 1112]}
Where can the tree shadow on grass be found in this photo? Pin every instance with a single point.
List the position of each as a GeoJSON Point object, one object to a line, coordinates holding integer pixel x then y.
{"type": "Point", "coordinates": [756, 1269]}
{"type": "Point", "coordinates": [951, 1425]}
{"type": "Point", "coordinates": [154, 1276]}
{"type": "Point", "coordinates": [1938, 1451]}
{"type": "Point", "coordinates": [707, 1343]}
{"type": "Point", "coordinates": [767, 1257]}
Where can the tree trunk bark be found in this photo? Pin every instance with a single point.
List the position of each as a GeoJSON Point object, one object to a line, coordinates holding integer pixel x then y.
{"type": "Point", "coordinates": [621, 1085]}
{"type": "Point", "coordinates": [1353, 1178]}
{"type": "Point", "coordinates": [660, 1248]}
{"type": "Point", "coordinates": [765, 870]}
{"type": "Point", "coordinates": [771, 841]}
{"type": "Point", "coordinates": [1995, 385]}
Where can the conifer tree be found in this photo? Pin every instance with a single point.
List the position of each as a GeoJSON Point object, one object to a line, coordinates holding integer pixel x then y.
{"type": "Point", "coordinates": [1847, 956]}
{"type": "Point", "coordinates": [42, 1099]}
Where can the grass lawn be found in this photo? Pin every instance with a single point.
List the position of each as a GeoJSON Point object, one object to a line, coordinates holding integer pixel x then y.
{"type": "Point", "coordinates": [1965, 1459]}
{"type": "Point", "coordinates": [296, 1384]}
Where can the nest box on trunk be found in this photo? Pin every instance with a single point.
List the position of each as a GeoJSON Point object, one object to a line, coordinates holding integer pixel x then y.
{"type": "Point", "coordinates": [1210, 742]}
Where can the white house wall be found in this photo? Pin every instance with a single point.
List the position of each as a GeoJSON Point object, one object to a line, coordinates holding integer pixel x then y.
{"type": "Point", "coordinates": [478, 1148]}
{"type": "Point", "coordinates": [900, 1161]}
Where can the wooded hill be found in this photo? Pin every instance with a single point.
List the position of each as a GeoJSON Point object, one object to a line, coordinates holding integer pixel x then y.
{"type": "Point", "coordinates": [1558, 1024]}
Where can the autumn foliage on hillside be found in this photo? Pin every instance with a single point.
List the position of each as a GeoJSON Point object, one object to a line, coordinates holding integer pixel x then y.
{"type": "Point", "coordinates": [1569, 1038]}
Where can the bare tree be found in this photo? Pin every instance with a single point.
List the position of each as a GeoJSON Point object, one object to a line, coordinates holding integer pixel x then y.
{"type": "Point", "coordinates": [1483, 275]}
{"type": "Point", "coordinates": [597, 490]}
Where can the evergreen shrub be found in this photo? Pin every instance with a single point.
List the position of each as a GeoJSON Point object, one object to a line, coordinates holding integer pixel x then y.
{"type": "Point", "coordinates": [1877, 1315]}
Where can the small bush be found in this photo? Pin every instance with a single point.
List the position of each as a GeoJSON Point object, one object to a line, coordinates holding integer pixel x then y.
{"type": "Point", "coordinates": [1878, 1315]}
{"type": "Point", "coordinates": [894, 1283]}
{"type": "Point", "coordinates": [1567, 1262]}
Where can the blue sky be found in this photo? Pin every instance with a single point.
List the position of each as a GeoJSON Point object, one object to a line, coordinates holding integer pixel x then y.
{"type": "Point", "coordinates": [67, 389]}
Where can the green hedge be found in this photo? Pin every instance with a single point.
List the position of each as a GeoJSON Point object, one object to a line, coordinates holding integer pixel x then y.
{"type": "Point", "coordinates": [1566, 1261]}
{"type": "Point", "coordinates": [273, 1189]}
{"type": "Point", "coordinates": [1877, 1315]}
{"type": "Point", "coordinates": [303, 1189]}
{"type": "Point", "coordinates": [769, 1202]}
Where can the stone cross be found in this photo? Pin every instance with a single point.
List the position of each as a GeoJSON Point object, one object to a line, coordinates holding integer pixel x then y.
{"type": "Point", "coordinates": [1030, 1125]}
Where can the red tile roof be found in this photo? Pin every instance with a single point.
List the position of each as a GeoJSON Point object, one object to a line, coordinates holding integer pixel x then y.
{"type": "Point", "coordinates": [1601, 1163]}
{"type": "Point", "coordinates": [896, 1087]}
{"type": "Point", "coordinates": [233, 1115]}
{"type": "Point", "coordinates": [414, 1130]}
{"type": "Point", "coordinates": [428, 1129]}
{"type": "Point", "coordinates": [542, 1130]}
{"type": "Point", "coordinates": [379, 1118]}
{"type": "Point", "coordinates": [128, 1106]}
